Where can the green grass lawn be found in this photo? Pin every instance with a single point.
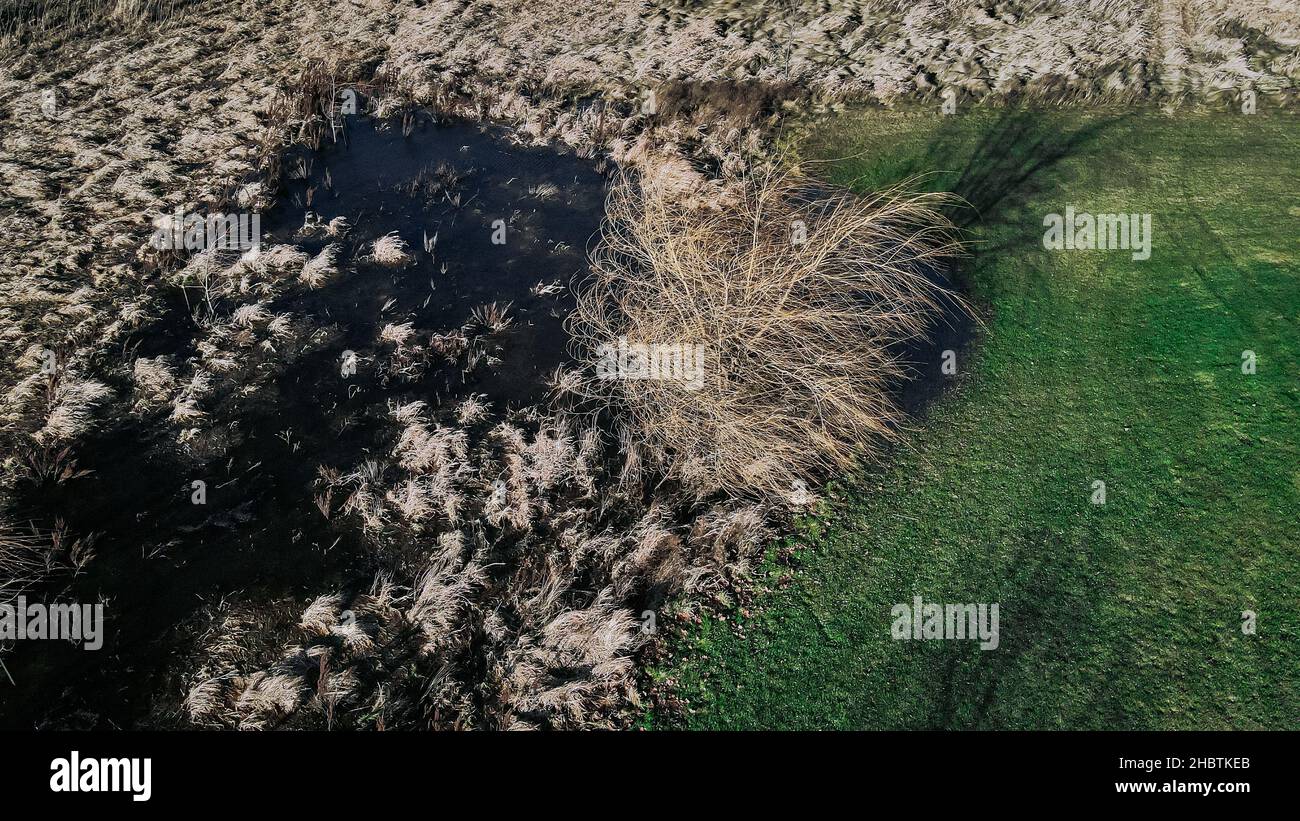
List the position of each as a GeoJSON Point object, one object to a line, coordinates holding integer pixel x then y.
{"type": "Point", "coordinates": [1091, 366]}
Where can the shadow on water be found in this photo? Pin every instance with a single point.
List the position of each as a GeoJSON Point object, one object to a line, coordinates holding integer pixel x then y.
{"type": "Point", "coordinates": [160, 558]}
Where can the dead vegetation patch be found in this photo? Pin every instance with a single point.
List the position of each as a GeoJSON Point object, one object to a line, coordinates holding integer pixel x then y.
{"type": "Point", "coordinates": [517, 552]}
{"type": "Point", "coordinates": [793, 298]}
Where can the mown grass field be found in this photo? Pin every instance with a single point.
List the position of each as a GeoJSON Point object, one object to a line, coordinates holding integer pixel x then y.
{"type": "Point", "coordinates": [1090, 366]}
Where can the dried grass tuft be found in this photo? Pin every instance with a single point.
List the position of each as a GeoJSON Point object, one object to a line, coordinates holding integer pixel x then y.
{"type": "Point", "coordinates": [390, 251]}
{"type": "Point", "coordinates": [795, 299]}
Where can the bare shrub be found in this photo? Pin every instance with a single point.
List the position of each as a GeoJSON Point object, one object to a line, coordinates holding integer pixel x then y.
{"type": "Point", "coordinates": [796, 293]}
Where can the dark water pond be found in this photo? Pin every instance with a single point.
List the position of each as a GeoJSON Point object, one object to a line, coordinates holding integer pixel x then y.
{"type": "Point", "coordinates": [159, 558]}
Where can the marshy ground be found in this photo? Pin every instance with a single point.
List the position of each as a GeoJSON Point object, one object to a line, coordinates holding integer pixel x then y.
{"type": "Point", "coordinates": [409, 519]}
{"type": "Point", "coordinates": [275, 421]}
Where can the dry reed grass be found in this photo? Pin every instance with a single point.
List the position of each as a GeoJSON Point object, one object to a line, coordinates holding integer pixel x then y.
{"type": "Point", "coordinates": [500, 653]}
{"type": "Point", "coordinates": [797, 295]}
{"type": "Point", "coordinates": [30, 19]}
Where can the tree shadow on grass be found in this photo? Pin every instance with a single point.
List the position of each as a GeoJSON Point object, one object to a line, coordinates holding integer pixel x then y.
{"type": "Point", "coordinates": [1012, 161]}
{"type": "Point", "coordinates": [992, 171]}
{"type": "Point", "coordinates": [996, 164]}
{"type": "Point", "coordinates": [1036, 608]}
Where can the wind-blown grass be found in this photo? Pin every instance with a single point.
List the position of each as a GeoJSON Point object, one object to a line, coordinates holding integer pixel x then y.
{"type": "Point", "coordinates": [24, 18]}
